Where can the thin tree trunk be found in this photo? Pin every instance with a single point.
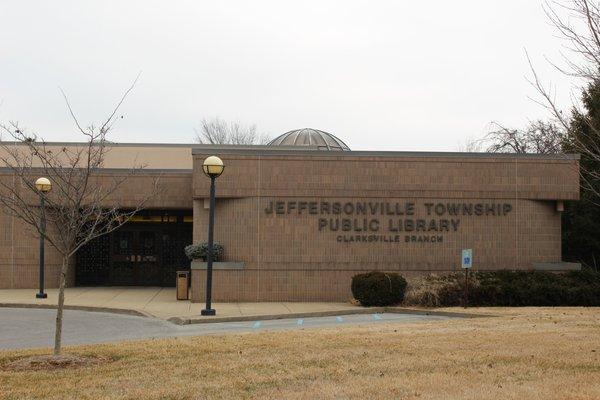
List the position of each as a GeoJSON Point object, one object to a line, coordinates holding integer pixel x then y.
{"type": "Point", "coordinates": [59, 309]}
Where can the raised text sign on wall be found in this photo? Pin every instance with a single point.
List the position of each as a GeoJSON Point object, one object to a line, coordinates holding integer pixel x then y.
{"type": "Point", "coordinates": [369, 221]}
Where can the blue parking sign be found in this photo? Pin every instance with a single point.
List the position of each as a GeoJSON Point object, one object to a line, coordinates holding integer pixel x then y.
{"type": "Point", "coordinates": [467, 258]}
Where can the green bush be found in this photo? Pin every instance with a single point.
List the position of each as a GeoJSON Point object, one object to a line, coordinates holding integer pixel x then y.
{"type": "Point", "coordinates": [378, 288]}
{"type": "Point", "coordinates": [521, 288]}
{"type": "Point", "coordinates": [200, 251]}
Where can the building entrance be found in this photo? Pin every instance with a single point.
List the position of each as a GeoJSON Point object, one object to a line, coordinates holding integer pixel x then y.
{"type": "Point", "coordinates": [143, 252]}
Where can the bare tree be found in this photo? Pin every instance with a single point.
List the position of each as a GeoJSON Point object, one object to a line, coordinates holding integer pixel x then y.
{"type": "Point", "coordinates": [83, 203]}
{"type": "Point", "coordinates": [471, 145]}
{"type": "Point", "coordinates": [218, 131]}
{"type": "Point", "coordinates": [539, 137]}
{"type": "Point", "coordinates": [578, 24]}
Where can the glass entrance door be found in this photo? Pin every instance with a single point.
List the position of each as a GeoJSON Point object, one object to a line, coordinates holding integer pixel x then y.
{"type": "Point", "coordinates": [140, 253]}
{"type": "Point", "coordinates": [123, 258]}
{"type": "Point", "coordinates": [148, 258]}
{"type": "Point", "coordinates": [135, 257]}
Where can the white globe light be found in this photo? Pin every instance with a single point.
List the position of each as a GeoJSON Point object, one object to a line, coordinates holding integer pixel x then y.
{"type": "Point", "coordinates": [213, 166]}
{"type": "Point", "coordinates": [43, 185]}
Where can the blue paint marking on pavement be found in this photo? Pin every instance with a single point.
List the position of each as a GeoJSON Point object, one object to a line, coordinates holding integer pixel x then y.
{"type": "Point", "coordinates": [256, 325]}
{"type": "Point", "coordinates": [376, 317]}
{"type": "Point", "coordinates": [300, 322]}
{"type": "Point", "coordinates": [339, 319]}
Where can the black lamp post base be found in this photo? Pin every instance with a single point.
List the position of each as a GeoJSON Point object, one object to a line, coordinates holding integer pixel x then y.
{"type": "Point", "coordinates": [208, 312]}
{"type": "Point", "coordinates": [41, 296]}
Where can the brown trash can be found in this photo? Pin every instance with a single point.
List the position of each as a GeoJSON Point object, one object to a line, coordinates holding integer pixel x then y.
{"type": "Point", "coordinates": [183, 284]}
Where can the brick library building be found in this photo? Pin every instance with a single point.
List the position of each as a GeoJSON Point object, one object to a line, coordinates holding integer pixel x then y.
{"type": "Point", "coordinates": [297, 218]}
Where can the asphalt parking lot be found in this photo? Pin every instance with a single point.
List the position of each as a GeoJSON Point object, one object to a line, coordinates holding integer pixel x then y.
{"type": "Point", "coordinates": [31, 328]}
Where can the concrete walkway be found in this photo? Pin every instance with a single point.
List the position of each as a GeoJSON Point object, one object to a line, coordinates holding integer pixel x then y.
{"type": "Point", "coordinates": [161, 303]}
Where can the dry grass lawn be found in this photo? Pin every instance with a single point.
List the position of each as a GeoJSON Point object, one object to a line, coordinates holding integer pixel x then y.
{"type": "Point", "coordinates": [527, 353]}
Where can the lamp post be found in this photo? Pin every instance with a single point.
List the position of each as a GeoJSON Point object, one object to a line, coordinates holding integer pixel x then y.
{"type": "Point", "coordinates": [213, 167]}
{"type": "Point", "coordinates": [43, 185]}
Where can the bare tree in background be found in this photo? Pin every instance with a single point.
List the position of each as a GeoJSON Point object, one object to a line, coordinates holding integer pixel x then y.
{"type": "Point", "coordinates": [471, 145]}
{"type": "Point", "coordinates": [576, 130]}
{"type": "Point", "coordinates": [218, 131]}
{"type": "Point", "coordinates": [539, 137]}
{"type": "Point", "coordinates": [82, 204]}
{"type": "Point", "coordinates": [578, 24]}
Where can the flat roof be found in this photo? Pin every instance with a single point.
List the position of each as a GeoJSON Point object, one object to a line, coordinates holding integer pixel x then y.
{"type": "Point", "coordinates": [316, 151]}
{"type": "Point", "coordinates": [178, 149]}
{"type": "Point", "coordinates": [167, 157]}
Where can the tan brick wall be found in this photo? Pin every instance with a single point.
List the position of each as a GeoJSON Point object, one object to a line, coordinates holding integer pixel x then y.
{"type": "Point", "coordinates": [19, 246]}
{"type": "Point", "coordinates": [400, 176]}
{"type": "Point", "coordinates": [287, 257]}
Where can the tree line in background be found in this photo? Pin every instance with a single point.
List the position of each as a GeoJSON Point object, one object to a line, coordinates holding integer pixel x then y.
{"type": "Point", "coordinates": [218, 131]}
{"type": "Point", "coordinates": [575, 131]}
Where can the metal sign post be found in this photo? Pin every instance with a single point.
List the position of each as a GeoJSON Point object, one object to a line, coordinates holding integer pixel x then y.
{"type": "Point", "coordinates": [467, 263]}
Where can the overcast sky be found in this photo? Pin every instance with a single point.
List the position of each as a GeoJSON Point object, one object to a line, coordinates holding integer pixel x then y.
{"type": "Point", "coordinates": [381, 75]}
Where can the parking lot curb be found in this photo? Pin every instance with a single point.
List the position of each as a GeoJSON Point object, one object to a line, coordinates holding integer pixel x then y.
{"type": "Point", "coordinates": [361, 310]}
{"type": "Point", "coordinates": [255, 317]}
{"type": "Point", "coordinates": [125, 311]}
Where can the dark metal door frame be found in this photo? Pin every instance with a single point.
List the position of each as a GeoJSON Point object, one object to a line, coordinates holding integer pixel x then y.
{"type": "Point", "coordinates": [152, 263]}
{"type": "Point", "coordinates": [135, 255]}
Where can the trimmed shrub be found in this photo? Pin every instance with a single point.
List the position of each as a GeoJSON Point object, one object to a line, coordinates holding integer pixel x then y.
{"type": "Point", "coordinates": [378, 288]}
{"type": "Point", "coordinates": [514, 289]}
{"type": "Point", "coordinates": [200, 251]}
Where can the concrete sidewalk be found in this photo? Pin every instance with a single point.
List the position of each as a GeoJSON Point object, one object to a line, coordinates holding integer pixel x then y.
{"type": "Point", "coordinates": [161, 303]}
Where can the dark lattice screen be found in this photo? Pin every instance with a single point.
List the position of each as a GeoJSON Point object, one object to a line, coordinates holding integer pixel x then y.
{"type": "Point", "coordinates": [93, 263]}
{"type": "Point", "coordinates": [139, 253]}
{"type": "Point", "coordinates": [173, 256]}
